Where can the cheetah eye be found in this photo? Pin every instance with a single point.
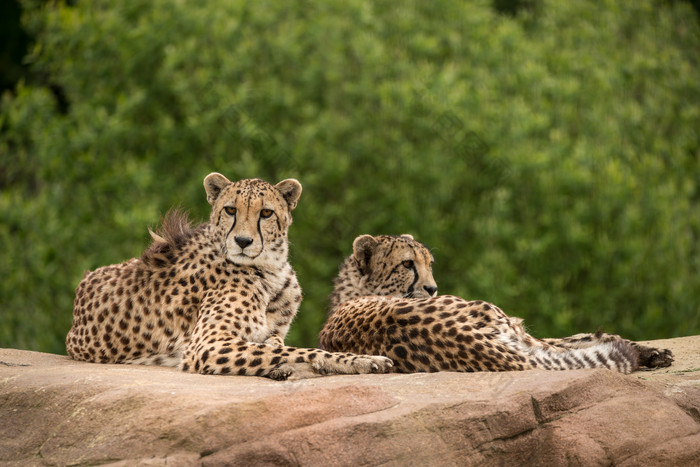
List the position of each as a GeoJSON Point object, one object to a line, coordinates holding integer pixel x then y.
{"type": "Point", "coordinates": [265, 213]}
{"type": "Point", "coordinates": [230, 210]}
{"type": "Point", "coordinates": [407, 264]}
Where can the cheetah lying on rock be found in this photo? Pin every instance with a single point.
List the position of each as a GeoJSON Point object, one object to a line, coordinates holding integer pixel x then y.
{"type": "Point", "coordinates": [215, 299]}
{"type": "Point", "coordinates": [385, 302]}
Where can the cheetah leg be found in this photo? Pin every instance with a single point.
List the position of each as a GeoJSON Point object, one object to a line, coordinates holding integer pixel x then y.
{"type": "Point", "coordinates": [171, 360]}
{"type": "Point", "coordinates": [328, 363]}
{"type": "Point", "coordinates": [240, 357]}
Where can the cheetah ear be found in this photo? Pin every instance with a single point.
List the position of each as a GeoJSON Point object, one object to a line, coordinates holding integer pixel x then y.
{"type": "Point", "coordinates": [407, 236]}
{"type": "Point", "coordinates": [214, 183]}
{"type": "Point", "coordinates": [290, 190]}
{"type": "Point", "coordinates": [362, 249]}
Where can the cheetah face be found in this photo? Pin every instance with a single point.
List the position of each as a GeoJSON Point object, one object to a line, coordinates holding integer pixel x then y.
{"type": "Point", "coordinates": [394, 266]}
{"type": "Point", "coordinates": [252, 218]}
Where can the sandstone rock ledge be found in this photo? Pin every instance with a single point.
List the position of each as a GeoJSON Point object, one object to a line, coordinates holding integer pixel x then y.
{"type": "Point", "coordinates": [54, 411]}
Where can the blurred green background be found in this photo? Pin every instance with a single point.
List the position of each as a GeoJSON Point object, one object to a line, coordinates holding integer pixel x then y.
{"type": "Point", "coordinates": [547, 151]}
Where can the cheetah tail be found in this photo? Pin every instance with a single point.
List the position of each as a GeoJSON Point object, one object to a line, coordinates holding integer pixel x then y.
{"type": "Point", "coordinates": [617, 355]}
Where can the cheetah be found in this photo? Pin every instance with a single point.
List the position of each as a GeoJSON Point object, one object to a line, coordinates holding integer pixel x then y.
{"type": "Point", "coordinates": [217, 298]}
{"type": "Point", "coordinates": [385, 302]}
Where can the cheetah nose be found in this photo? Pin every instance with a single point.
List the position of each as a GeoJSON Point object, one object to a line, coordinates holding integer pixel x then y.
{"type": "Point", "coordinates": [431, 289]}
{"type": "Point", "coordinates": [243, 241]}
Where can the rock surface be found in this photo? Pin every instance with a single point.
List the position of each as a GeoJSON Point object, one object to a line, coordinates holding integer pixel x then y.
{"type": "Point", "coordinates": [55, 411]}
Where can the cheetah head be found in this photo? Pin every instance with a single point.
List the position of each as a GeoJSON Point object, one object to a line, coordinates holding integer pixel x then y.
{"type": "Point", "coordinates": [396, 266]}
{"type": "Point", "coordinates": [251, 218]}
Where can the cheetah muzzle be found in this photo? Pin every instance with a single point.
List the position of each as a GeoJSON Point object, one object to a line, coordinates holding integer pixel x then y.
{"type": "Point", "coordinates": [214, 299]}
{"type": "Point", "coordinates": [384, 303]}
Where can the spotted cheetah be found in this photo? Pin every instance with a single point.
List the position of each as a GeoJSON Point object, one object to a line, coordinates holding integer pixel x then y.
{"type": "Point", "coordinates": [385, 303]}
{"type": "Point", "coordinates": [214, 299]}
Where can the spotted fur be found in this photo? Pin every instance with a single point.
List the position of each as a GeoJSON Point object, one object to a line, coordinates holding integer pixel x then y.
{"type": "Point", "coordinates": [378, 307]}
{"type": "Point", "coordinates": [215, 299]}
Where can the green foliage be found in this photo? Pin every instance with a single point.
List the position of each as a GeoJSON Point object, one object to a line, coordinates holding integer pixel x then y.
{"type": "Point", "coordinates": [550, 157]}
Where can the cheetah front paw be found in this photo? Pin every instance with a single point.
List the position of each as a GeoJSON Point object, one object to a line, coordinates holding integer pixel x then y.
{"type": "Point", "coordinates": [354, 364]}
{"type": "Point", "coordinates": [651, 357]}
{"type": "Point", "coordinates": [373, 364]}
{"type": "Point", "coordinates": [293, 372]}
